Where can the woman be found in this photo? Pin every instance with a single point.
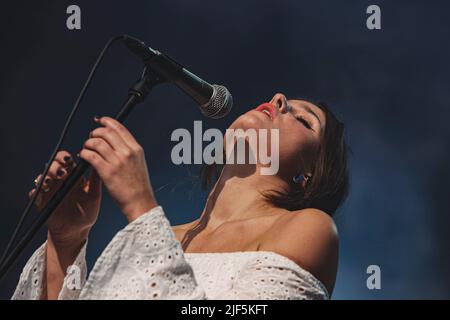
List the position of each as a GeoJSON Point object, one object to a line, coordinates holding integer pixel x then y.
{"type": "Point", "coordinates": [259, 236]}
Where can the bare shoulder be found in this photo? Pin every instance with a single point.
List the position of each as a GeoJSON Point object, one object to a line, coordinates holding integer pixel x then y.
{"type": "Point", "coordinates": [311, 221]}
{"type": "Point", "coordinates": [309, 237]}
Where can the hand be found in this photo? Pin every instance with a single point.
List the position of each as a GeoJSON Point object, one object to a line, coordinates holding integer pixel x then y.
{"type": "Point", "coordinates": [73, 218]}
{"type": "Point", "coordinates": [120, 162]}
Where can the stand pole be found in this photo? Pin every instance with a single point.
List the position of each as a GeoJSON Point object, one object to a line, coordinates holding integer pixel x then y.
{"type": "Point", "coordinates": [137, 94]}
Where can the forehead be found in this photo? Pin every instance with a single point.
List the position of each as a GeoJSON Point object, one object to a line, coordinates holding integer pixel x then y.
{"type": "Point", "coordinates": [305, 105]}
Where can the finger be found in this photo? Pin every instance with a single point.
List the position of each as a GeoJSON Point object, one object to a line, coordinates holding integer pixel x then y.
{"type": "Point", "coordinates": [33, 191]}
{"type": "Point", "coordinates": [39, 199]}
{"type": "Point", "coordinates": [94, 185]}
{"type": "Point", "coordinates": [103, 148]}
{"type": "Point", "coordinates": [47, 182]}
{"type": "Point", "coordinates": [56, 171]}
{"type": "Point", "coordinates": [112, 138]}
{"type": "Point", "coordinates": [65, 159]}
{"type": "Point", "coordinates": [96, 161]}
{"type": "Point", "coordinates": [120, 129]}
{"type": "Point", "coordinates": [38, 179]}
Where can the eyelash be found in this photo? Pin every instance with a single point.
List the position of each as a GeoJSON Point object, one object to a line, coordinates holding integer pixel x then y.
{"type": "Point", "coordinates": [304, 122]}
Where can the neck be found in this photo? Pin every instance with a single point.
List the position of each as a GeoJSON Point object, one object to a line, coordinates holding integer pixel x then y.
{"type": "Point", "coordinates": [238, 195]}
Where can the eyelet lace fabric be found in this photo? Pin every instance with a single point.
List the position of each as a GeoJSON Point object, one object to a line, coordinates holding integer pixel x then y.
{"type": "Point", "coordinates": [146, 261]}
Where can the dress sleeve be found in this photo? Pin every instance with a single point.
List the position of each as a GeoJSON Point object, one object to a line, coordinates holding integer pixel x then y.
{"type": "Point", "coordinates": [143, 261]}
{"type": "Point", "coordinates": [31, 282]}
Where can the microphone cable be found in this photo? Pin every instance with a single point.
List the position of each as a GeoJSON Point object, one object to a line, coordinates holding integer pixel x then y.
{"type": "Point", "coordinates": [61, 139]}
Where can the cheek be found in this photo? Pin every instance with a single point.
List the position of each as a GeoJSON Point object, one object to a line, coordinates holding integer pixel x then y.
{"type": "Point", "coordinates": [297, 147]}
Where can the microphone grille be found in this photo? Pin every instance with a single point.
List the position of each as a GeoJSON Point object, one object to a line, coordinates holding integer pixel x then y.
{"type": "Point", "coordinates": [220, 103]}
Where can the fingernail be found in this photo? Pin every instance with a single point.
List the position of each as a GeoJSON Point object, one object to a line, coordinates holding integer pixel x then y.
{"type": "Point", "coordinates": [67, 158]}
{"type": "Point", "coordinates": [60, 172]}
{"type": "Point", "coordinates": [96, 119]}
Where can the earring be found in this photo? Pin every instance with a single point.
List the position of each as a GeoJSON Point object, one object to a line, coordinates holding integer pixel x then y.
{"type": "Point", "coordinates": [300, 178]}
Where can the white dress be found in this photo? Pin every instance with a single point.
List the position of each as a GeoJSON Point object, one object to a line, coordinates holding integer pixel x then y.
{"type": "Point", "coordinates": [146, 261]}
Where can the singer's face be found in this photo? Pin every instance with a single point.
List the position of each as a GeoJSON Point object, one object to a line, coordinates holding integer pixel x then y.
{"type": "Point", "coordinates": [300, 124]}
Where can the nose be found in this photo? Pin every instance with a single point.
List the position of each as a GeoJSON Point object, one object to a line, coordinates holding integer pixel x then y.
{"type": "Point", "coordinates": [279, 100]}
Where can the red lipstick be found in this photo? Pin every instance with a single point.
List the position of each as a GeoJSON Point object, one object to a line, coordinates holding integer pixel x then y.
{"type": "Point", "coordinates": [268, 109]}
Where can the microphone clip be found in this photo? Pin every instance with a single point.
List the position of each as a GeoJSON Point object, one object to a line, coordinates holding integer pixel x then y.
{"type": "Point", "coordinates": [145, 84]}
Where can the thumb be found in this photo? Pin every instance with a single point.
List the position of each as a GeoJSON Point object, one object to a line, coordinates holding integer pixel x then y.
{"type": "Point", "coordinates": [94, 184]}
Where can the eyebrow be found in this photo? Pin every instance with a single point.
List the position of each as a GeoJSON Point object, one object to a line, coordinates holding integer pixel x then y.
{"type": "Point", "coordinates": [308, 109]}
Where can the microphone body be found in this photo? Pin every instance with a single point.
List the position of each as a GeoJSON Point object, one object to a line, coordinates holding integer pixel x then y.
{"type": "Point", "coordinates": [215, 101]}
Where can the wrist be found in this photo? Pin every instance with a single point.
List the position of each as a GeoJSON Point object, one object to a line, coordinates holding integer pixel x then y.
{"type": "Point", "coordinates": [60, 254]}
{"type": "Point", "coordinates": [138, 208]}
{"type": "Point", "coordinates": [68, 241]}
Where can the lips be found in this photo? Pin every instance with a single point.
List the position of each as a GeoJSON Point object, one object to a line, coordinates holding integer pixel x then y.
{"type": "Point", "coordinates": [268, 109]}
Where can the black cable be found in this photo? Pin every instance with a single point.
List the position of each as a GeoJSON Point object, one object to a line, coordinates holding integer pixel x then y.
{"type": "Point", "coordinates": [55, 151]}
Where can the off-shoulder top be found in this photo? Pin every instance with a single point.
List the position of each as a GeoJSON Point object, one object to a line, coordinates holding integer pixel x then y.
{"type": "Point", "coordinates": [146, 261]}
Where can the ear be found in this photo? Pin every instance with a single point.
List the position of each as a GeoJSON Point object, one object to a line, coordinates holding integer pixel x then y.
{"type": "Point", "coordinates": [306, 180]}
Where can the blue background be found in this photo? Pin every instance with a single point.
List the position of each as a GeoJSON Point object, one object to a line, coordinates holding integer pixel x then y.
{"type": "Point", "coordinates": [390, 87]}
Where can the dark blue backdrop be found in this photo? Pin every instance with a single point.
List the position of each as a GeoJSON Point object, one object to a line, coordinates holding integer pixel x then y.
{"type": "Point", "coordinates": [391, 87]}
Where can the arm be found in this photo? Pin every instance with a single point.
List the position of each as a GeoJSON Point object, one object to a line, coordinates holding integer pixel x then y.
{"type": "Point", "coordinates": [143, 261]}
{"type": "Point", "coordinates": [68, 226]}
{"type": "Point", "coordinates": [45, 277]}
{"type": "Point", "coordinates": [59, 257]}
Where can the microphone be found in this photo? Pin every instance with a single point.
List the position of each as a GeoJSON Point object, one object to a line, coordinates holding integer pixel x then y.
{"type": "Point", "coordinates": [215, 100]}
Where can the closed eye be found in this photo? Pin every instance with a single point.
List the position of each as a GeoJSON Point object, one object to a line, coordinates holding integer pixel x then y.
{"type": "Point", "coordinates": [304, 122]}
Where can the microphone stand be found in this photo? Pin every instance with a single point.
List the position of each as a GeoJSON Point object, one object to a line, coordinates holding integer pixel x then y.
{"type": "Point", "coordinates": [136, 94]}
